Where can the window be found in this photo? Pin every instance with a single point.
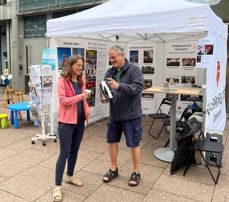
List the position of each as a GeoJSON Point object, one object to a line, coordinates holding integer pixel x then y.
{"type": "Point", "coordinates": [2, 2]}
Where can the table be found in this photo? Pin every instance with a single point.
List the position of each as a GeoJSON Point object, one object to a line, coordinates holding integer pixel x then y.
{"type": "Point", "coordinates": [15, 108]}
{"type": "Point", "coordinates": [166, 154]}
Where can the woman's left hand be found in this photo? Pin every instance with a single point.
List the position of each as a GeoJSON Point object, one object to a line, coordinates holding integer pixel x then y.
{"type": "Point", "coordinates": [87, 114]}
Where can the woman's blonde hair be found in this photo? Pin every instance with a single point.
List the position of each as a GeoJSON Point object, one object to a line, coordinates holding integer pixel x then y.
{"type": "Point", "coordinates": [68, 72]}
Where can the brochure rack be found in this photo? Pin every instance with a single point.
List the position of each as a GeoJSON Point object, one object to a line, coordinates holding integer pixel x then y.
{"type": "Point", "coordinates": [41, 85]}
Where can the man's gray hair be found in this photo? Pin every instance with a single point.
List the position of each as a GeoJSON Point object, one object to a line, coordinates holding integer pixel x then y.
{"type": "Point", "coordinates": [118, 49]}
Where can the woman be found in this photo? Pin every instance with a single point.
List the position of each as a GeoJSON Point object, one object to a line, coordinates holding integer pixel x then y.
{"type": "Point", "coordinates": [73, 111]}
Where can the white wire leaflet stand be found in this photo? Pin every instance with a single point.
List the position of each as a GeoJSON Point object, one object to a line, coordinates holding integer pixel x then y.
{"type": "Point", "coordinates": [41, 85]}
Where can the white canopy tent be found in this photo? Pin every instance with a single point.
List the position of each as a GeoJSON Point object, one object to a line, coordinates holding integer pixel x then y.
{"type": "Point", "coordinates": [129, 17]}
{"type": "Point", "coordinates": [164, 20]}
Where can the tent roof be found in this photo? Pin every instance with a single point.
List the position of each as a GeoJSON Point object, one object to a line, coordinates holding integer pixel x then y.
{"type": "Point", "coordinates": [117, 17]}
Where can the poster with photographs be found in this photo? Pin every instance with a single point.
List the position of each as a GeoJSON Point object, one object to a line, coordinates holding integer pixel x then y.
{"type": "Point", "coordinates": [205, 53]}
{"type": "Point", "coordinates": [144, 55]}
{"type": "Point", "coordinates": [148, 56]}
{"type": "Point", "coordinates": [90, 70]}
{"type": "Point", "coordinates": [189, 62]}
{"type": "Point", "coordinates": [78, 51]}
{"type": "Point", "coordinates": [181, 54]}
{"type": "Point", "coordinates": [175, 80]}
{"type": "Point", "coordinates": [188, 80]}
{"type": "Point", "coordinates": [173, 62]}
{"type": "Point", "coordinates": [205, 49]}
{"type": "Point", "coordinates": [148, 69]}
{"type": "Point", "coordinates": [134, 56]}
{"type": "Point", "coordinates": [148, 83]}
{"type": "Point", "coordinates": [63, 54]}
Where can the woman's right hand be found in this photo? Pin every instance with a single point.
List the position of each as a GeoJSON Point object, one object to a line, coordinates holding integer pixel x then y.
{"type": "Point", "coordinates": [85, 96]}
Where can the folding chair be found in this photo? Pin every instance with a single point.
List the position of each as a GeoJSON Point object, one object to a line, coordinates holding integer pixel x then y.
{"type": "Point", "coordinates": [186, 114]}
{"type": "Point", "coordinates": [162, 115]}
{"type": "Point", "coordinates": [205, 145]}
{"type": "Point", "coordinates": [182, 122]}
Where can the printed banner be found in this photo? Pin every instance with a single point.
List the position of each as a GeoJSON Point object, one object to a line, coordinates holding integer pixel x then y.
{"type": "Point", "coordinates": [214, 58]}
{"type": "Point", "coordinates": [49, 57]}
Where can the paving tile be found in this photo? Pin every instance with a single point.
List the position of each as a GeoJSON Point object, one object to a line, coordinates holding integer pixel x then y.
{"type": "Point", "coordinates": [101, 130]}
{"type": "Point", "coordinates": [50, 162]}
{"type": "Point", "coordinates": [6, 153]}
{"type": "Point", "coordinates": [67, 197]}
{"type": "Point", "coordinates": [21, 145]}
{"type": "Point", "coordinates": [185, 188]}
{"type": "Point", "coordinates": [2, 179]}
{"type": "Point", "coordinates": [225, 166]}
{"type": "Point", "coordinates": [51, 148]}
{"type": "Point", "coordinates": [98, 167]}
{"type": "Point", "coordinates": [195, 173]}
{"type": "Point", "coordinates": [221, 193]}
{"type": "Point", "coordinates": [16, 164]}
{"type": "Point", "coordinates": [89, 144]}
{"type": "Point", "coordinates": [7, 197]}
{"type": "Point", "coordinates": [30, 184]}
{"type": "Point", "coordinates": [123, 156]}
{"type": "Point", "coordinates": [148, 158]}
{"type": "Point", "coordinates": [90, 181]}
{"type": "Point", "coordinates": [84, 158]}
{"type": "Point", "coordinates": [109, 193]}
{"type": "Point", "coordinates": [11, 135]}
{"type": "Point", "coordinates": [160, 196]}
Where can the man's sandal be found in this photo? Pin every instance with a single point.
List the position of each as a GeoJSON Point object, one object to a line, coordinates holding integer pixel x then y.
{"type": "Point", "coordinates": [110, 175]}
{"type": "Point", "coordinates": [134, 179]}
{"type": "Point", "coordinates": [75, 182]}
{"type": "Point", "coordinates": [57, 195]}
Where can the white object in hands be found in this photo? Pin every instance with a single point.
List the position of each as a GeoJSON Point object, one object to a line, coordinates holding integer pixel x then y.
{"type": "Point", "coordinates": [88, 91]}
{"type": "Point", "coordinates": [106, 89]}
{"type": "Point", "coordinates": [105, 92]}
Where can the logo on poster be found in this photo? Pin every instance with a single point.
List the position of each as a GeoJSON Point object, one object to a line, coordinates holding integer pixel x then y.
{"type": "Point", "coordinates": [218, 73]}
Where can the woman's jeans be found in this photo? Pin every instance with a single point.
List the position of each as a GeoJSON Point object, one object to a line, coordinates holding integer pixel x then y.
{"type": "Point", "coordinates": [70, 136]}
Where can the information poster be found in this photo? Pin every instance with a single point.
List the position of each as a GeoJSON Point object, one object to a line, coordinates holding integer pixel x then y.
{"type": "Point", "coordinates": [144, 56]}
{"type": "Point", "coordinates": [180, 68]}
{"type": "Point", "coordinates": [49, 57]}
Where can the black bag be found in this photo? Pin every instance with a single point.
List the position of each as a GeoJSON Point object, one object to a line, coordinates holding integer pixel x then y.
{"type": "Point", "coordinates": [183, 152]}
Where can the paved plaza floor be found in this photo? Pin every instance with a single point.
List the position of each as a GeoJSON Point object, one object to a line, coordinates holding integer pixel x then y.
{"type": "Point", "coordinates": [27, 171]}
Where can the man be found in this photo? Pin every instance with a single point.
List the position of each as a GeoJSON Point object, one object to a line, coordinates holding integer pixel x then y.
{"type": "Point", "coordinates": [126, 82]}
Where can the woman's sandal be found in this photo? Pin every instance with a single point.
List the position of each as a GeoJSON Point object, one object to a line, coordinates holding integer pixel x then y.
{"type": "Point", "coordinates": [75, 182]}
{"type": "Point", "coordinates": [110, 175]}
{"type": "Point", "coordinates": [134, 179]}
{"type": "Point", "coordinates": [57, 195]}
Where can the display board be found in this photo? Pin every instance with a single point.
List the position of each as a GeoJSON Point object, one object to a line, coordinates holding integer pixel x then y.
{"type": "Point", "coordinates": [180, 66]}
{"type": "Point", "coordinates": [144, 55]}
{"type": "Point", "coordinates": [94, 54]}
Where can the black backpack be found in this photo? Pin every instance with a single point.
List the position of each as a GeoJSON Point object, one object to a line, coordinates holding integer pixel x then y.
{"type": "Point", "coordinates": [184, 151]}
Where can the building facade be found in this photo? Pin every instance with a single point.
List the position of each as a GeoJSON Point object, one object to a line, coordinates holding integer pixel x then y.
{"type": "Point", "coordinates": [23, 29]}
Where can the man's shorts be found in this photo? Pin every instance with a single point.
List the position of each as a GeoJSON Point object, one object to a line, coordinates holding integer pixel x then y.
{"type": "Point", "coordinates": [132, 130]}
